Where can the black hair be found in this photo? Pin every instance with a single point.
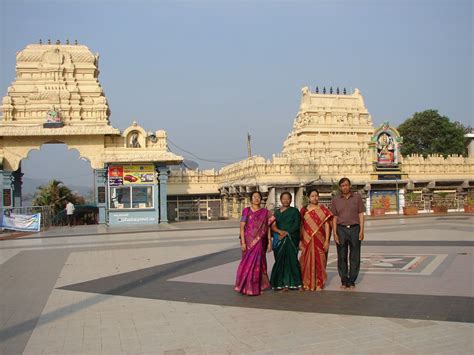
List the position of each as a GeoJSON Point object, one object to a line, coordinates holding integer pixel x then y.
{"type": "Point", "coordinates": [256, 192]}
{"type": "Point", "coordinates": [286, 193]}
{"type": "Point", "coordinates": [308, 192]}
{"type": "Point", "coordinates": [343, 180]}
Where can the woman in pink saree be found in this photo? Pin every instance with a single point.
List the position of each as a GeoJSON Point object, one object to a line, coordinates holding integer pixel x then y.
{"type": "Point", "coordinates": [252, 277]}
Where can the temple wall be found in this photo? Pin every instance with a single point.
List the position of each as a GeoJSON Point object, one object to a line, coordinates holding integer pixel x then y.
{"type": "Point", "coordinates": [193, 182]}
{"type": "Point", "coordinates": [437, 167]}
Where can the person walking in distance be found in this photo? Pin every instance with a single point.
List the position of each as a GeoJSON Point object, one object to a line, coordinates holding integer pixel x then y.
{"type": "Point", "coordinates": [348, 226]}
{"type": "Point", "coordinates": [70, 213]}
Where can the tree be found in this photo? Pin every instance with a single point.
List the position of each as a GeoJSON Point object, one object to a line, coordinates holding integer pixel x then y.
{"type": "Point", "coordinates": [55, 194]}
{"type": "Point", "coordinates": [428, 132]}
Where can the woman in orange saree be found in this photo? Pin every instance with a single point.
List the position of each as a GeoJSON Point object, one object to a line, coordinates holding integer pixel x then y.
{"type": "Point", "coordinates": [314, 242]}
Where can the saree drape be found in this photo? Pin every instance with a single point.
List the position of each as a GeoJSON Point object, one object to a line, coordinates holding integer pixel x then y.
{"type": "Point", "coordinates": [313, 256]}
{"type": "Point", "coordinates": [286, 271]}
{"type": "Point", "coordinates": [252, 275]}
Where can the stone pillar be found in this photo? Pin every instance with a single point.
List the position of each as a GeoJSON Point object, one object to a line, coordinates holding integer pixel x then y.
{"type": "Point", "coordinates": [427, 197]}
{"type": "Point", "coordinates": [235, 206]}
{"type": "Point", "coordinates": [271, 200]}
{"type": "Point", "coordinates": [101, 193]}
{"type": "Point", "coordinates": [470, 144]}
{"type": "Point", "coordinates": [16, 184]}
{"type": "Point", "coordinates": [299, 197]}
{"type": "Point", "coordinates": [228, 207]}
{"type": "Point", "coordinates": [163, 193]}
{"type": "Point", "coordinates": [246, 198]}
{"type": "Point", "coordinates": [223, 205]}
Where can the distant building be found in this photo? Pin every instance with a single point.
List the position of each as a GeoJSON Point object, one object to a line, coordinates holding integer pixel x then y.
{"type": "Point", "coordinates": [332, 137]}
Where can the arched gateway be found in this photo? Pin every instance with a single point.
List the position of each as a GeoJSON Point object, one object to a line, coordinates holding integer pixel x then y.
{"type": "Point", "coordinates": [56, 98]}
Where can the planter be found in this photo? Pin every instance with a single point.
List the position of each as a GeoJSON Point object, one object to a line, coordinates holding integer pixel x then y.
{"type": "Point", "coordinates": [377, 212]}
{"type": "Point", "coordinates": [410, 211]}
{"type": "Point", "coordinates": [440, 209]}
{"type": "Point", "coordinates": [469, 208]}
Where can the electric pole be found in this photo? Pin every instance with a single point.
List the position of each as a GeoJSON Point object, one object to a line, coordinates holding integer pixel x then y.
{"type": "Point", "coordinates": [249, 145]}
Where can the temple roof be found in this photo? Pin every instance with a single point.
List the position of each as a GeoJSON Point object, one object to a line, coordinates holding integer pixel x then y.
{"type": "Point", "coordinates": [56, 78]}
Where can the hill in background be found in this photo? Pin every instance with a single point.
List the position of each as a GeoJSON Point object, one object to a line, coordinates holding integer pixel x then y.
{"type": "Point", "coordinates": [30, 186]}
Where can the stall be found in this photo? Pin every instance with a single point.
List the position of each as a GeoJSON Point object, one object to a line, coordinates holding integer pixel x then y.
{"type": "Point", "coordinates": [133, 194]}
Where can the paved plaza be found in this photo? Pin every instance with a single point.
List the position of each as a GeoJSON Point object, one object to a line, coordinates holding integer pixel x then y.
{"type": "Point", "coordinates": [168, 290]}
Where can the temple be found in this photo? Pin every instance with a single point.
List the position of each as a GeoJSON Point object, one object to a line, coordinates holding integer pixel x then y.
{"type": "Point", "coordinates": [56, 97]}
{"type": "Point", "coordinates": [333, 136]}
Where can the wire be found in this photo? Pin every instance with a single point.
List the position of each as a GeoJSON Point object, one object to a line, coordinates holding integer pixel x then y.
{"type": "Point", "coordinates": [202, 159]}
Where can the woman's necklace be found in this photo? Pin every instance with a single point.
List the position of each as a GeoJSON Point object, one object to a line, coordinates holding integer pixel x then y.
{"type": "Point", "coordinates": [254, 209]}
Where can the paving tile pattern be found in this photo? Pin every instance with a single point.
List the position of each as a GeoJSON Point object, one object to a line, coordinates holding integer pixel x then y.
{"type": "Point", "coordinates": [73, 291]}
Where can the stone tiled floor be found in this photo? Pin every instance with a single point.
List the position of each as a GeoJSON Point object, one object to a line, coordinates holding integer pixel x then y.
{"type": "Point", "coordinates": [168, 291]}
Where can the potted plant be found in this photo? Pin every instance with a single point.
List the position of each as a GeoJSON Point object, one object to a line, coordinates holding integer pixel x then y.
{"type": "Point", "coordinates": [440, 204]}
{"type": "Point", "coordinates": [469, 205]}
{"type": "Point", "coordinates": [377, 208]}
{"type": "Point", "coordinates": [411, 204]}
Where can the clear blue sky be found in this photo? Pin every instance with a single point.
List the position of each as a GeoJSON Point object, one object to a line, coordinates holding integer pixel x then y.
{"type": "Point", "coordinates": [208, 72]}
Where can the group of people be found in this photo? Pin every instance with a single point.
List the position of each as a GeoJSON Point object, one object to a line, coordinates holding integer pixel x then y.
{"type": "Point", "coordinates": [288, 231]}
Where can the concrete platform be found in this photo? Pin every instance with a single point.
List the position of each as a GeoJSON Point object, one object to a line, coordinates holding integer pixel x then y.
{"type": "Point", "coordinates": [168, 290]}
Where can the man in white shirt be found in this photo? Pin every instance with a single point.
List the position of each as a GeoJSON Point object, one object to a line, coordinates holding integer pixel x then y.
{"type": "Point", "coordinates": [69, 213]}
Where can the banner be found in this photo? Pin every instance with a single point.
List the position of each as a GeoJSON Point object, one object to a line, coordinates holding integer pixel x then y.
{"type": "Point", "coordinates": [131, 174]}
{"type": "Point", "coordinates": [115, 175]}
{"type": "Point", "coordinates": [384, 199]}
{"type": "Point", "coordinates": [22, 222]}
{"type": "Point", "coordinates": [138, 174]}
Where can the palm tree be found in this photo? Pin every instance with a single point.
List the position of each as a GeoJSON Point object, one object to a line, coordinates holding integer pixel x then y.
{"type": "Point", "coordinates": [55, 194]}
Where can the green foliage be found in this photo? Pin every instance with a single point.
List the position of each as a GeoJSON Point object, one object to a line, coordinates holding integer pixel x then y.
{"type": "Point", "coordinates": [55, 194]}
{"type": "Point", "coordinates": [469, 199]}
{"type": "Point", "coordinates": [411, 199]}
{"type": "Point", "coordinates": [440, 199]}
{"type": "Point", "coordinates": [428, 132]}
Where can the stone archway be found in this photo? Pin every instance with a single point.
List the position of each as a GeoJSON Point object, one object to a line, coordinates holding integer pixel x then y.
{"type": "Point", "coordinates": [15, 149]}
{"type": "Point", "coordinates": [56, 97]}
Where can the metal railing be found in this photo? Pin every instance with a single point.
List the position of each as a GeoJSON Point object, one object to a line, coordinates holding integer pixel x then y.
{"type": "Point", "coordinates": [83, 214]}
{"type": "Point", "coordinates": [46, 213]}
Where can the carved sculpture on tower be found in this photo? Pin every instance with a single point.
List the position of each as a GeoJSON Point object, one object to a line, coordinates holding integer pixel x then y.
{"type": "Point", "coordinates": [385, 144]}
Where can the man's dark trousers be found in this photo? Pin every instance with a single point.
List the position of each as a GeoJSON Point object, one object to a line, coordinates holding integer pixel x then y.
{"type": "Point", "coordinates": [348, 242]}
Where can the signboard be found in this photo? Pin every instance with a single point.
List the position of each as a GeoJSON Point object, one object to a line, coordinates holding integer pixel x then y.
{"type": "Point", "coordinates": [122, 218]}
{"type": "Point", "coordinates": [384, 199]}
{"type": "Point", "coordinates": [131, 174]}
{"type": "Point", "coordinates": [115, 175]}
{"type": "Point", "coordinates": [138, 174]}
{"type": "Point", "coordinates": [22, 222]}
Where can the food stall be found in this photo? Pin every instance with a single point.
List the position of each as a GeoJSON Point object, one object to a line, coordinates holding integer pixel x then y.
{"type": "Point", "coordinates": [133, 194]}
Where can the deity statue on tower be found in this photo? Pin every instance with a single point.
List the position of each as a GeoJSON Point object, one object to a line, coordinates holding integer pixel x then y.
{"type": "Point", "coordinates": [53, 119]}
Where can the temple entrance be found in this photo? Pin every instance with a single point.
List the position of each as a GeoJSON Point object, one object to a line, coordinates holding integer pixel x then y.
{"type": "Point", "coordinates": [56, 98]}
{"type": "Point", "coordinates": [55, 172]}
